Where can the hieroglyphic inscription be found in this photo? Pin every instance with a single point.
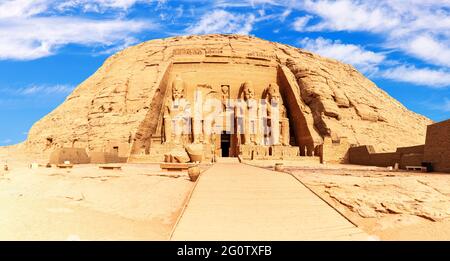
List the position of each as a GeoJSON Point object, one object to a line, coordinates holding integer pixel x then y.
{"type": "Point", "coordinates": [197, 51]}
{"type": "Point", "coordinates": [261, 55]}
{"type": "Point", "coordinates": [213, 51]}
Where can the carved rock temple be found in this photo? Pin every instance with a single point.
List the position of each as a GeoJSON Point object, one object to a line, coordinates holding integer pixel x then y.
{"type": "Point", "coordinates": [144, 102]}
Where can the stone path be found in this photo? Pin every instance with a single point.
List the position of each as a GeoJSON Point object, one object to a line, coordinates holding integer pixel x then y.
{"type": "Point", "coordinates": [234, 201]}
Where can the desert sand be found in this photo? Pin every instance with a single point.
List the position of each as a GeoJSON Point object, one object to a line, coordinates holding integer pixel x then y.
{"type": "Point", "coordinates": [393, 205]}
{"type": "Point", "coordinates": [139, 202]}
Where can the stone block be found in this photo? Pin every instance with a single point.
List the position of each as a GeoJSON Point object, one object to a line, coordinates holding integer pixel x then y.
{"type": "Point", "coordinates": [253, 151]}
{"type": "Point", "coordinates": [74, 155]}
{"type": "Point", "coordinates": [284, 152]}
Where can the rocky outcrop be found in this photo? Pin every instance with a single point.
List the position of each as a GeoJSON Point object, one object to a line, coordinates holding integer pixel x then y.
{"type": "Point", "coordinates": [380, 193]}
{"type": "Point", "coordinates": [122, 100]}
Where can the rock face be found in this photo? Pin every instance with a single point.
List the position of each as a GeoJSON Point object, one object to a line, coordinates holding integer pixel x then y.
{"type": "Point", "coordinates": [121, 102]}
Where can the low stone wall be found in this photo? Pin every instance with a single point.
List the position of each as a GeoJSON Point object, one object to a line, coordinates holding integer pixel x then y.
{"type": "Point", "coordinates": [360, 155]}
{"type": "Point", "coordinates": [384, 159]}
{"type": "Point", "coordinates": [411, 160]}
{"type": "Point", "coordinates": [105, 157]}
{"type": "Point", "coordinates": [435, 151]}
{"type": "Point", "coordinates": [404, 156]}
{"type": "Point", "coordinates": [335, 151]}
{"type": "Point", "coordinates": [74, 155]}
{"type": "Point", "coordinates": [80, 156]}
{"type": "Point", "coordinates": [258, 152]}
{"type": "Point", "coordinates": [419, 149]}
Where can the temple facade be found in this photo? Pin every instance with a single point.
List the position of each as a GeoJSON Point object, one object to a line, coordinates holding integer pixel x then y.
{"type": "Point", "coordinates": [227, 110]}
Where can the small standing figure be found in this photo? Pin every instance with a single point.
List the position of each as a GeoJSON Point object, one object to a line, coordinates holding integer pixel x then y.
{"type": "Point", "coordinates": [213, 148]}
{"type": "Point", "coordinates": [225, 89]}
{"type": "Point", "coordinates": [212, 116]}
{"type": "Point", "coordinates": [227, 110]}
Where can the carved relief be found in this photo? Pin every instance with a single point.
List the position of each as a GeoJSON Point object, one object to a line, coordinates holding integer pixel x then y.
{"type": "Point", "coordinates": [261, 55]}
{"type": "Point", "coordinates": [197, 51]}
{"type": "Point", "coordinates": [186, 51]}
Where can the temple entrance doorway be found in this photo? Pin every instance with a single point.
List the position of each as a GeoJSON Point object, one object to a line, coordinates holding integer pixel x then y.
{"type": "Point", "coordinates": [225, 142]}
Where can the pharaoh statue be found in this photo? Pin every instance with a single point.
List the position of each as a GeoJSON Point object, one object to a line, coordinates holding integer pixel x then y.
{"type": "Point", "coordinates": [176, 113]}
{"type": "Point", "coordinates": [277, 117]}
{"type": "Point", "coordinates": [247, 115]}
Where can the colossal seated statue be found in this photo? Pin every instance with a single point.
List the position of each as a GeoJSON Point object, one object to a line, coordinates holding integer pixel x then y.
{"type": "Point", "coordinates": [277, 119]}
{"type": "Point", "coordinates": [247, 111]}
{"type": "Point", "coordinates": [176, 114]}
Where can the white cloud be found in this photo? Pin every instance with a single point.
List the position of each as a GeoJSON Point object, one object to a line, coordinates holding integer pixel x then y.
{"type": "Point", "coordinates": [364, 60]}
{"type": "Point", "coordinates": [301, 22]}
{"type": "Point", "coordinates": [428, 49]}
{"type": "Point", "coordinates": [32, 38]}
{"type": "Point", "coordinates": [6, 142]}
{"type": "Point", "coordinates": [100, 6]}
{"type": "Point", "coordinates": [285, 14]}
{"type": "Point", "coordinates": [22, 8]}
{"type": "Point", "coordinates": [350, 15]}
{"type": "Point", "coordinates": [221, 21]}
{"type": "Point", "coordinates": [244, 3]}
{"type": "Point", "coordinates": [418, 76]}
{"type": "Point", "coordinates": [35, 29]}
{"type": "Point", "coordinates": [45, 89]}
{"type": "Point", "coordinates": [27, 8]}
{"type": "Point", "coordinates": [418, 28]}
{"type": "Point", "coordinates": [33, 90]}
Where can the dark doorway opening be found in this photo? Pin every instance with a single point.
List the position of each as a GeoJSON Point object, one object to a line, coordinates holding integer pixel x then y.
{"type": "Point", "coordinates": [225, 141]}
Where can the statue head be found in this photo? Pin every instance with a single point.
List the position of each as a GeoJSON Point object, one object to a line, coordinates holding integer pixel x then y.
{"type": "Point", "coordinates": [225, 89]}
{"type": "Point", "coordinates": [273, 93]}
{"type": "Point", "coordinates": [177, 88]}
{"type": "Point", "coordinates": [248, 90]}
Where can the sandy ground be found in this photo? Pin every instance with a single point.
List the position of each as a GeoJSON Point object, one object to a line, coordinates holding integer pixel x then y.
{"type": "Point", "coordinates": [139, 202]}
{"type": "Point", "coordinates": [393, 205]}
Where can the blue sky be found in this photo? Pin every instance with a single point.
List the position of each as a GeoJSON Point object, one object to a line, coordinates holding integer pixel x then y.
{"type": "Point", "coordinates": [48, 47]}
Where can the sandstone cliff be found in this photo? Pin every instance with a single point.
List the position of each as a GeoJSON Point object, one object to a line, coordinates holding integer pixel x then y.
{"type": "Point", "coordinates": [335, 100]}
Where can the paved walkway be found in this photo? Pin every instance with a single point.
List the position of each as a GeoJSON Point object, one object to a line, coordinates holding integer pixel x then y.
{"type": "Point", "coordinates": [239, 202]}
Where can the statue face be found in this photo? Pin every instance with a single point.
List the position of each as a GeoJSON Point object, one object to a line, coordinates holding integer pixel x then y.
{"type": "Point", "coordinates": [177, 89]}
{"type": "Point", "coordinates": [249, 92]}
{"type": "Point", "coordinates": [177, 93]}
{"type": "Point", "coordinates": [225, 90]}
{"type": "Point", "coordinates": [274, 95]}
